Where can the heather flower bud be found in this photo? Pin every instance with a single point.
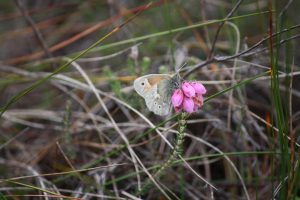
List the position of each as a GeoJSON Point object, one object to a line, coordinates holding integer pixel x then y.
{"type": "Point", "coordinates": [198, 87]}
{"type": "Point", "coordinates": [188, 90]}
{"type": "Point", "coordinates": [188, 105]}
{"type": "Point", "coordinates": [177, 98]}
{"type": "Point", "coordinates": [198, 100]}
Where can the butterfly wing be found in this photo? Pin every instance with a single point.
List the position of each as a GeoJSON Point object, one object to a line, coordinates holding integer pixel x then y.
{"type": "Point", "coordinates": [157, 103]}
{"type": "Point", "coordinates": [152, 88]}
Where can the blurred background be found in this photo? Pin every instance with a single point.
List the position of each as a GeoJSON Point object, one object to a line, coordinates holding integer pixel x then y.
{"type": "Point", "coordinates": [72, 126]}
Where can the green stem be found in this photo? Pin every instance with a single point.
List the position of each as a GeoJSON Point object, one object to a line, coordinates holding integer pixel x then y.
{"type": "Point", "coordinates": [178, 149]}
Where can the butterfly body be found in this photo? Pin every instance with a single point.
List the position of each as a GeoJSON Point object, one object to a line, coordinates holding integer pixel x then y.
{"type": "Point", "coordinates": [157, 89]}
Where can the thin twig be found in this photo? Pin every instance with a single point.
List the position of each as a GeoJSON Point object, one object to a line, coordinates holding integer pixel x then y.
{"type": "Point", "coordinates": [225, 58]}
{"type": "Point", "coordinates": [36, 31]}
{"type": "Point", "coordinates": [220, 26]}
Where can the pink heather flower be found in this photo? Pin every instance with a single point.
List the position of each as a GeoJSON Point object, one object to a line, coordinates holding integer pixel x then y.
{"type": "Point", "coordinates": [188, 105]}
{"type": "Point", "coordinates": [177, 98]}
{"type": "Point", "coordinates": [198, 100]}
{"type": "Point", "coordinates": [189, 97]}
{"type": "Point", "coordinates": [187, 89]}
{"type": "Point", "coordinates": [199, 88]}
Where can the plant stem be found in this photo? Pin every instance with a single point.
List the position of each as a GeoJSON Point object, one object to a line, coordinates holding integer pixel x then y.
{"type": "Point", "coordinates": [178, 149]}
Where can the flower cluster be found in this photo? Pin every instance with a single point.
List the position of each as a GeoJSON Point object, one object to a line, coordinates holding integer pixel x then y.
{"type": "Point", "coordinates": [189, 97]}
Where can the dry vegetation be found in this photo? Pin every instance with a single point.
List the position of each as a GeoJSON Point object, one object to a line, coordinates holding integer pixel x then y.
{"type": "Point", "coordinates": [72, 127]}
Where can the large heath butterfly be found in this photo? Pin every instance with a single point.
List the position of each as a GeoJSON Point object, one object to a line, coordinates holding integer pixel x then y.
{"type": "Point", "coordinates": [157, 90]}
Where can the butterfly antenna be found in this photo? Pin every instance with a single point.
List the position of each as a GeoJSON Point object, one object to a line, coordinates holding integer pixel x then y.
{"type": "Point", "coordinates": [178, 70]}
{"type": "Point", "coordinates": [183, 65]}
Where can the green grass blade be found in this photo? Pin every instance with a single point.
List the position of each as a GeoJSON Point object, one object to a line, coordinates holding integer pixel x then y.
{"type": "Point", "coordinates": [172, 31]}
{"type": "Point", "coordinates": [236, 85]}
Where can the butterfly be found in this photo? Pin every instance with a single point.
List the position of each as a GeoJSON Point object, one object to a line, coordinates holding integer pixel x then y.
{"type": "Point", "coordinates": [157, 90]}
